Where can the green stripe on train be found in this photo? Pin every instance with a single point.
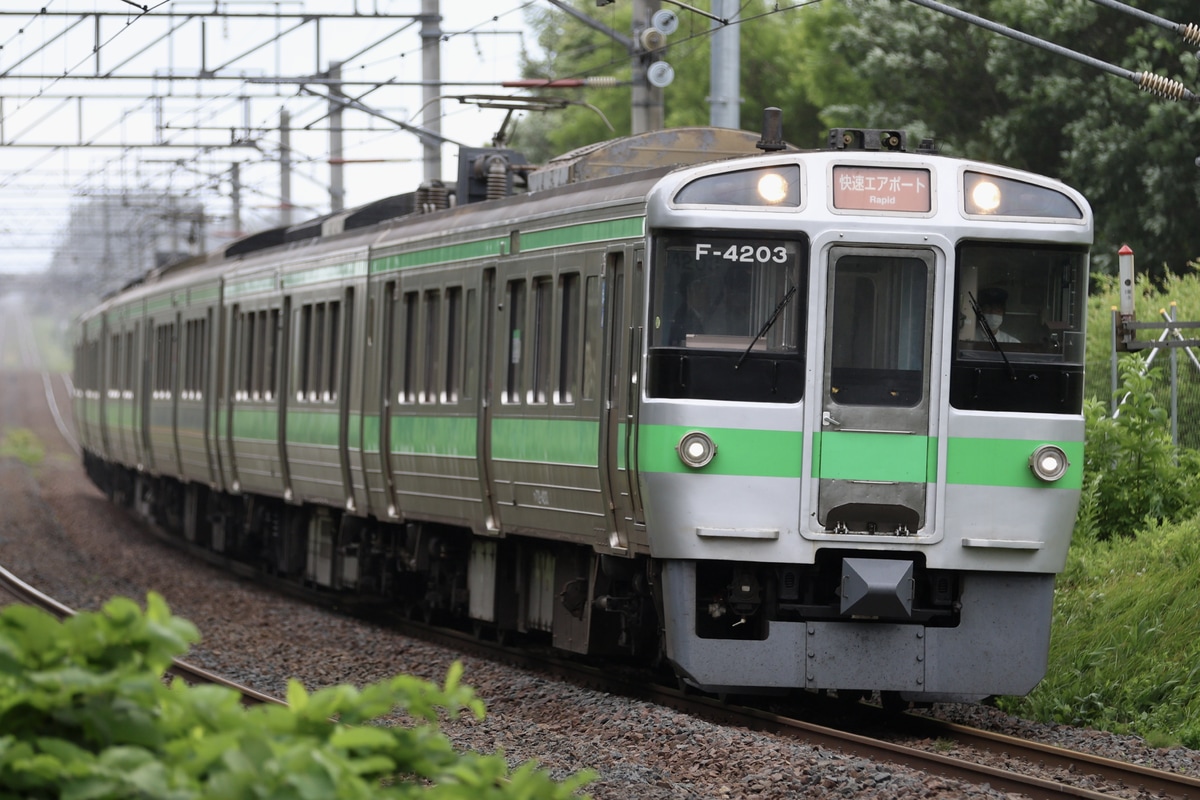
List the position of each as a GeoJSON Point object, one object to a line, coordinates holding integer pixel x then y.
{"type": "Point", "coordinates": [554, 441]}
{"type": "Point", "coordinates": [767, 454]}
{"type": "Point", "coordinates": [1005, 462]}
{"type": "Point", "coordinates": [865, 456]}
{"type": "Point", "coordinates": [443, 254]}
{"type": "Point", "coordinates": [584, 232]}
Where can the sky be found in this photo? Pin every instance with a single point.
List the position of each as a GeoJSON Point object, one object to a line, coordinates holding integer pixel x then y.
{"type": "Point", "coordinates": [45, 103]}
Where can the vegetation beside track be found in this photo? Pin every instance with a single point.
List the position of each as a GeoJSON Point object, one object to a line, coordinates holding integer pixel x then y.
{"type": "Point", "coordinates": [84, 712]}
{"type": "Point", "coordinates": [1125, 655]}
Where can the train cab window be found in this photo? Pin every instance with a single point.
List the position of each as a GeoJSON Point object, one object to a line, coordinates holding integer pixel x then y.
{"type": "Point", "coordinates": [1019, 312]}
{"type": "Point", "coordinates": [727, 315]}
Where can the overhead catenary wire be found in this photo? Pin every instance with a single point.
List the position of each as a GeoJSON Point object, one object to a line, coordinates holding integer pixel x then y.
{"type": "Point", "coordinates": [1166, 88]}
{"type": "Point", "coordinates": [1189, 32]}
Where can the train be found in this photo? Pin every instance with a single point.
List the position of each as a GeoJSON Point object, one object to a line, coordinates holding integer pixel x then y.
{"type": "Point", "coordinates": [777, 419]}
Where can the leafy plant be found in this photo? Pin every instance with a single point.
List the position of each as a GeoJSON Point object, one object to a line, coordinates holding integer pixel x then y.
{"type": "Point", "coordinates": [85, 713]}
{"type": "Point", "coordinates": [1133, 474]}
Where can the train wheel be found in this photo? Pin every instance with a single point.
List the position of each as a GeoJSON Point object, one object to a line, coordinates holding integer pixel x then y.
{"type": "Point", "coordinates": [892, 702]}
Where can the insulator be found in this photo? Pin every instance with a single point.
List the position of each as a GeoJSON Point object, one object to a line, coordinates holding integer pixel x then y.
{"type": "Point", "coordinates": [1190, 33]}
{"type": "Point", "coordinates": [432, 196]}
{"type": "Point", "coordinates": [497, 178]}
{"type": "Point", "coordinates": [439, 195]}
{"type": "Point", "coordinates": [601, 82]}
{"type": "Point", "coordinates": [1163, 87]}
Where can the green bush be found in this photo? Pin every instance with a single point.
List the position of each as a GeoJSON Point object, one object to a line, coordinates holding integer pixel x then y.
{"type": "Point", "coordinates": [1133, 476]}
{"type": "Point", "coordinates": [85, 713]}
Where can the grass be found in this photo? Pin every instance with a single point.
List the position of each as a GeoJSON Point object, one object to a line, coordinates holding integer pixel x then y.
{"type": "Point", "coordinates": [1124, 654]}
{"type": "Point", "coordinates": [23, 445]}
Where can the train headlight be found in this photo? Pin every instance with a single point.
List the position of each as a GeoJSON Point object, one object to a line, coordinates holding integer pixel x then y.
{"type": "Point", "coordinates": [1049, 462]}
{"type": "Point", "coordinates": [773, 188]}
{"type": "Point", "coordinates": [696, 449]}
{"type": "Point", "coordinates": [985, 197]}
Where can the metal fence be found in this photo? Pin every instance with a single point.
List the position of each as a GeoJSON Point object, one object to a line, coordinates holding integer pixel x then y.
{"type": "Point", "coordinates": [1176, 369]}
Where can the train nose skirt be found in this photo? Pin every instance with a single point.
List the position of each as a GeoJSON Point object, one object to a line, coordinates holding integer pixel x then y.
{"type": "Point", "coordinates": [877, 587]}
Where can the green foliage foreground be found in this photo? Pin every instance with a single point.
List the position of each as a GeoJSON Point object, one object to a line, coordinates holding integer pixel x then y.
{"type": "Point", "coordinates": [1125, 656]}
{"type": "Point", "coordinates": [85, 713]}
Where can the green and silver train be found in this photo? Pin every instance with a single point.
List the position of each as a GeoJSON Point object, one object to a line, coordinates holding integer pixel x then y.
{"type": "Point", "coordinates": [782, 419]}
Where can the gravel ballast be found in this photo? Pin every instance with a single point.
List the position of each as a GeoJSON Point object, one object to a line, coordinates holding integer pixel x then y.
{"type": "Point", "coordinates": [60, 534]}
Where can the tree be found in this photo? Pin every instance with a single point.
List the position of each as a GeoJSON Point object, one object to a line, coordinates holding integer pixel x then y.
{"type": "Point", "coordinates": [990, 97]}
{"type": "Point", "coordinates": [892, 64]}
{"type": "Point", "coordinates": [788, 45]}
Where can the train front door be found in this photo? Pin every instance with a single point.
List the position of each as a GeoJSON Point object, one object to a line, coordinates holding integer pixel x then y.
{"type": "Point", "coordinates": [876, 454]}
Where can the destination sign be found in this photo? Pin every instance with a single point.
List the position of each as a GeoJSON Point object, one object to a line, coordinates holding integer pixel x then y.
{"type": "Point", "coordinates": [881, 189]}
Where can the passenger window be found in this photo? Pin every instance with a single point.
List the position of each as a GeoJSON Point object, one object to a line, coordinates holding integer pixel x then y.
{"type": "Point", "coordinates": [516, 325]}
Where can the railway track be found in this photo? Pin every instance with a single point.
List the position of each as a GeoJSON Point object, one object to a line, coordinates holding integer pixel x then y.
{"type": "Point", "coordinates": [24, 593]}
{"type": "Point", "coordinates": [1024, 768]}
{"type": "Point", "coordinates": [870, 733]}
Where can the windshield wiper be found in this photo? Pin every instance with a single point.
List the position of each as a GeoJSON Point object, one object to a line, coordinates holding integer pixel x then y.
{"type": "Point", "coordinates": [981, 320]}
{"type": "Point", "coordinates": [767, 325]}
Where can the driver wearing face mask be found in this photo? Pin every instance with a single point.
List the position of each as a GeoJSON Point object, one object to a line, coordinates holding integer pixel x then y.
{"type": "Point", "coordinates": [992, 302]}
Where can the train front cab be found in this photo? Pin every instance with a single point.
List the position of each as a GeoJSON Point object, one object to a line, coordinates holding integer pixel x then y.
{"type": "Point", "coordinates": [864, 486]}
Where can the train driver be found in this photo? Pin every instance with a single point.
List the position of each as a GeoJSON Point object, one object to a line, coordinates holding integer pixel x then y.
{"type": "Point", "coordinates": [992, 303]}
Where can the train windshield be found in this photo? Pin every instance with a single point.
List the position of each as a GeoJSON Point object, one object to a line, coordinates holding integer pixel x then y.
{"type": "Point", "coordinates": [722, 306]}
{"type": "Point", "coordinates": [1020, 311]}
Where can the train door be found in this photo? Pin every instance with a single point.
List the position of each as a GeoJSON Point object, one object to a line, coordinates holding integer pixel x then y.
{"type": "Point", "coordinates": [147, 389]}
{"type": "Point", "coordinates": [619, 433]}
{"type": "Point", "coordinates": [486, 336]}
{"type": "Point", "coordinates": [346, 373]}
{"type": "Point", "coordinates": [388, 384]}
{"type": "Point", "coordinates": [875, 444]}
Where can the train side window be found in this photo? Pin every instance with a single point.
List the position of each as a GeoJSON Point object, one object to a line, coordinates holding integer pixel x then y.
{"type": "Point", "coordinates": [543, 311]}
{"type": "Point", "coordinates": [303, 359]}
{"type": "Point", "coordinates": [333, 319]}
{"type": "Point", "coordinates": [316, 350]}
{"type": "Point", "coordinates": [164, 361]}
{"type": "Point", "coordinates": [429, 386]}
{"type": "Point", "coordinates": [453, 344]}
{"type": "Point", "coordinates": [592, 330]}
{"type": "Point", "coordinates": [472, 345]}
{"type": "Point", "coordinates": [114, 365]}
{"type": "Point", "coordinates": [516, 323]}
{"type": "Point", "coordinates": [568, 358]}
{"type": "Point", "coordinates": [408, 386]}
{"type": "Point", "coordinates": [271, 357]}
{"type": "Point", "coordinates": [252, 353]}
{"type": "Point", "coordinates": [127, 383]}
{"type": "Point", "coordinates": [193, 356]}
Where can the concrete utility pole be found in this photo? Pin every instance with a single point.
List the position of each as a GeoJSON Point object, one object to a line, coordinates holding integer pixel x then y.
{"type": "Point", "coordinates": [647, 111]}
{"type": "Point", "coordinates": [285, 167]}
{"type": "Point", "coordinates": [431, 74]}
{"type": "Point", "coordinates": [724, 80]}
{"type": "Point", "coordinates": [337, 155]}
{"type": "Point", "coordinates": [235, 197]}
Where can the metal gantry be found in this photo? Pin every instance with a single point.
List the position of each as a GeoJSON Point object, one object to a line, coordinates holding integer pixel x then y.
{"type": "Point", "coordinates": [220, 101]}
